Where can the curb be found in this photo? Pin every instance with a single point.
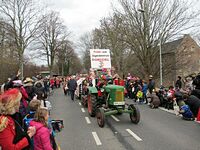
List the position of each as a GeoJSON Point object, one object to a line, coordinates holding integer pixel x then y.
{"type": "Point", "coordinates": [166, 110]}
{"type": "Point", "coordinates": [172, 112]}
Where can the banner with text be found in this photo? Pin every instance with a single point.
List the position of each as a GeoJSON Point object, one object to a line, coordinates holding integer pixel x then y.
{"type": "Point", "coordinates": [100, 58]}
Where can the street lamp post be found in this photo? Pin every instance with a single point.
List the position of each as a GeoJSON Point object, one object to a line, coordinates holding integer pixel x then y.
{"type": "Point", "coordinates": [160, 52]}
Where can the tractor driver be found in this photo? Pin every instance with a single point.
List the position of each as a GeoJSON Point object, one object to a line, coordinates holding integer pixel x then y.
{"type": "Point", "coordinates": [102, 82]}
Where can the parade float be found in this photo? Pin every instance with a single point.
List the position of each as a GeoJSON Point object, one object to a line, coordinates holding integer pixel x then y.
{"type": "Point", "coordinates": [100, 95]}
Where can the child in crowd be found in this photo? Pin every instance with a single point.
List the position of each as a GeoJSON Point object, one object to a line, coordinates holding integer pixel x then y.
{"type": "Point", "coordinates": [185, 111]}
{"type": "Point", "coordinates": [33, 106]}
{"type": "Point", "coordinates": [170, 97]}
{"type": "Point", "coordinates": [42, 136]}
{"type": "Point", "coordinates": [140, 95]}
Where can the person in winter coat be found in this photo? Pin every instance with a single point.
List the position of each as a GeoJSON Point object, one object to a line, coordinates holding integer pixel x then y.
{"type": "Point", "coordinates": [46, 84]}
{"type": "Point", "coordinates": [9, 83]}
{"type": "Point", "coordinates": [194, 103]}
{"type": "Point", "coordinates": [155, 101]}
{"type": "Point", "coordinates": [42, 137]}
{"type": "Point", "coordinates": [52, 83]}
{"type": "Point", "coordinates": [72, 85]}
{"type": "Point", "coordinates": [196, 92]}
{"type": "Point", "coordinates": [196, 82]}
{"type": "Point", "coordinates": [144, 90]}
{"type": "Point", "coordinates": [23, 103]}
{"type": "Point", "coordinates": [30, 89]}
{"type": "Point", "coordinates": [151, 84]}
{"type": "Point", "coordinates": [12, 136]}
{"type": "Point", "coordinates": [40, 92]}
{"type": "Point", "coordinates": [178, 83]}
{"type": "Point", "coordinates": [186, 112]}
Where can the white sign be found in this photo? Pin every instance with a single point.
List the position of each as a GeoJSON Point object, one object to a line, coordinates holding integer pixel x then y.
{"type": "Point", "coordinates": [119, 103]}
{"type": "Point", "coordinates": [100, 58]}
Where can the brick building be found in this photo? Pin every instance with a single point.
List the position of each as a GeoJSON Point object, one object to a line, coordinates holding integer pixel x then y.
{"type": "Point", "coordinates": [180, 58]}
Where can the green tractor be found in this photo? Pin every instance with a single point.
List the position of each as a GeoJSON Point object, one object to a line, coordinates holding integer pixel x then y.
{"type": "Point", "coordinates": [92, 101]}
{"type": "Point", "coordinates": [110, 103]}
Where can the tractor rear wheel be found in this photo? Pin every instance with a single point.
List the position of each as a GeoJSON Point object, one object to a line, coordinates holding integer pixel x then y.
{"type": "Point", "coordinates": [91, 105]}
{"type": "Point", "coordinates": [100, 117]}
{"type": "Point", "coordinates": [84, 100]}
{"type": "Point", "coordinates": [135, 115]}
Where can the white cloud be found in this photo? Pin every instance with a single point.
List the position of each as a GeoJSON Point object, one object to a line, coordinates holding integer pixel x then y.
{"type": "Point", "coordinates": [81, 16]}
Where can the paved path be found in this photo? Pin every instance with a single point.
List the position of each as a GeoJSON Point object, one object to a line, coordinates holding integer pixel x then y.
{"type": "Point", "coordinates": [157, 130]}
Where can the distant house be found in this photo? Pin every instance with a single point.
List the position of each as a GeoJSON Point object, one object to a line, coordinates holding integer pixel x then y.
{"type": "Point", "coordinates": [45, 73]}
{"type": "Point", "coordinates": [180, 58]}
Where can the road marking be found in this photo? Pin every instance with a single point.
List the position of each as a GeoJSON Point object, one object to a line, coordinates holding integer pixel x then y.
{"type": "Point", "coordinates": [115, 118]}
{"type": "Point", "coordinates": [80, 103]}
{"type": "Point", "coordinates": [96, 138]}
{"type": "Point", "coordinates": [87, 120]}
{"type": "Point", "coordinates": [169, 111]}
{"type": "Point", "coordinates": [134, 135]}
{"type": "Point", "coordinates": [83, 110]}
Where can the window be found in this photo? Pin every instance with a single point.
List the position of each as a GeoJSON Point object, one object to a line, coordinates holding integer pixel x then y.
{"type": "Point", "coordinates": [192, 49]}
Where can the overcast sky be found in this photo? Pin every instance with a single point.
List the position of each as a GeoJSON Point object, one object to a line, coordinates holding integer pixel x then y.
{"type": "Point", "coordinates": [81, 16]}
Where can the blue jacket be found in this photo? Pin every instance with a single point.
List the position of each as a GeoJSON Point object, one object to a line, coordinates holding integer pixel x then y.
{"type": "Point", "coordinates": [144, 88]}
{"type": "Point", "coordinates": [187, 112]}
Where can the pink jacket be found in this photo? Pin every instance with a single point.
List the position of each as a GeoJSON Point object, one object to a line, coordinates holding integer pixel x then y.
{"type": "Point", "coordinates": [24, 96]}
{"type": "Point", "coordinates": [42, 137]}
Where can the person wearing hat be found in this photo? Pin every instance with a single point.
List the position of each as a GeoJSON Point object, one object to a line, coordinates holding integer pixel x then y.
{"type": "Point", "coordinates": [9, 83]}
{"type": "Point", "coordinates": [151, 84]}
{"type": "Point", "coordinates": [12, 136]}
{"type": "Point", "coordinates": [30, 89]}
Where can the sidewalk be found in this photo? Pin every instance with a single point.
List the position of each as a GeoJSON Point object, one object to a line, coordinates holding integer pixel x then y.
{"type": "Point", "coordinates": [172, 112]}
{"type": "Point", "coordinates": [161, 108]}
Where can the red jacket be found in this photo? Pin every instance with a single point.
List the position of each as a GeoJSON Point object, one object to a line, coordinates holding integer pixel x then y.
{"type": "Point", "coordinates": [7, 134]}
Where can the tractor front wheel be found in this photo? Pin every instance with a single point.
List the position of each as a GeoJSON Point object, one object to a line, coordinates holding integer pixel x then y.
{"type": "Point", "coordinates": [100, 117]}
{"type": "Point", "coordinates": [135, 115]}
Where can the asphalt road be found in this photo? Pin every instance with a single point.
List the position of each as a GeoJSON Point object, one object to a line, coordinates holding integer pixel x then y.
{"type": "Point", "coordinates": [157, 129]}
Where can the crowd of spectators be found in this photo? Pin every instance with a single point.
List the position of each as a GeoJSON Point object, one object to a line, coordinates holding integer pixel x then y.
{"type": "Point", "coordinates": [183, 97]}
{"type": "Point", "coordinates": [24, 114]}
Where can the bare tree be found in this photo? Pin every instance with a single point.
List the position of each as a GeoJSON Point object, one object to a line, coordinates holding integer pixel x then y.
{"type": "Point", "coordinates": [65, 57]}
{"type": "Point", "coordinates": [85, 44]}
{"type": "Point", "coordinates": [7, 52]}
{"type": "Point", "coordinates": [22, 19]}
{"type": "Point", "coordinates": [155, 23]}
{"type": "Point", "coordinates": [53, 34]}
{"type": "Point", "coordinates": [113, 40]}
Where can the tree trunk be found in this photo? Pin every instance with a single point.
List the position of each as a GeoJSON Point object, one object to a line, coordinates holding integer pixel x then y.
{"type": "Point", "coordinates": [21, 65]}
{"type": "Point", "coordinates": [62, 69]}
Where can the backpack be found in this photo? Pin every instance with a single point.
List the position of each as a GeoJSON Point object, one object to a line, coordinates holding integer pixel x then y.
{"type": "Point", "coordinates": [27, 119]}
